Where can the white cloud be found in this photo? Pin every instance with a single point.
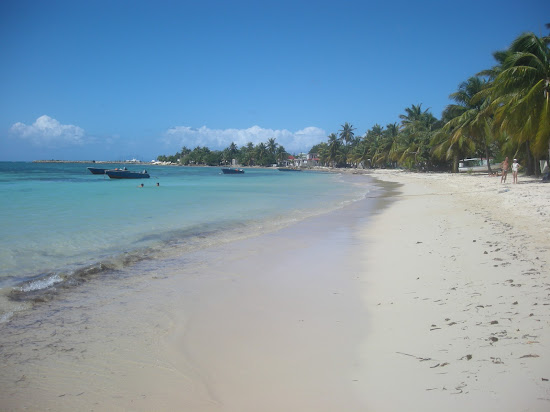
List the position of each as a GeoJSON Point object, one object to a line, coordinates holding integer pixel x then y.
{"type": "Point", "coordinates": [217, 139]}
{"type": "Point", "coordinates": [47, 131]}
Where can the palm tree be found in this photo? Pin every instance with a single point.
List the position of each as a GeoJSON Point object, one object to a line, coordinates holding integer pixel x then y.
{"type": "Point", "coordinates": [346, 133]}
{"type": "Point", "coordinates": [233, 150]}
{"type": "Point", "coordinates": [271, 146]}
{"type": "Point", "coordinates": [225, 156]}
{"type": "Point", "coordinates": [247, 154]}
{"type": "Point", "coordinates": [334, 149]}
{"type": "Point", "coordinates": [261, 153]}
{"type": "Point", "coordinates": [392, 132]}
{"type": "Point", "coordinates": [444, 147]}
{"type": "Point", "coordinates": [413, 115]}
{"type": "Point", "coordinates": [472, 119]}
{"type": "Point", "coordinates": [230, 153]}
{"type": "Point", "coordinates": [281, 154]}
{"type": "Point", "coordinates": [417, 127]}
{"type": "Point", "coordinates": [521, 93]}
{"type": "Point", "coordinates": [323, 151]}
{"type": "Point", "coordinates": [377, 146]}
{"type": "Point", "coordinates": [361, 153]}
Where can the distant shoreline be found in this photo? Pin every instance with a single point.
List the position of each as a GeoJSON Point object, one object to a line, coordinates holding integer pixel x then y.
{"type": "Point", "coordinates": [92, 161]}
{"type": "Point", "coordinates": [311, 168]}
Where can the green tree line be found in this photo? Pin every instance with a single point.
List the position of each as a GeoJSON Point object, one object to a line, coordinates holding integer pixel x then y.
{"type": "Point", "coordinates": [501, 111]}
{"type": "Point", "coordinates": [262, 154]}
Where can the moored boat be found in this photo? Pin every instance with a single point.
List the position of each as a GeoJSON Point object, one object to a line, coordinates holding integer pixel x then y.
{"type": "Point", "coordinates": [126, 174]}
{"type": "Point", "coordinates": [96, 170]}
{"type": "Point", "coordinates": [232, 171]}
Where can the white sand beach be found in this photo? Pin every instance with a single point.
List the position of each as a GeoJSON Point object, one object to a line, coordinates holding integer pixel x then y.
{"type": "Point", "coordinates": [458, 295]}
{"type": "Point", "coordinates": [440, 300]}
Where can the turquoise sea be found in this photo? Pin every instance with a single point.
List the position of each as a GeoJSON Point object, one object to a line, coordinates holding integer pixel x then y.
{"type": "Point", "coordinates": [60, 225]}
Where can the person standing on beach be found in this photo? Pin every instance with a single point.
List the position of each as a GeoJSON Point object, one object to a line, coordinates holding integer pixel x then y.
{"type": "Point", "coordinates": [515, 168]}
{"type": "Point", "coordinates": [505, 166]}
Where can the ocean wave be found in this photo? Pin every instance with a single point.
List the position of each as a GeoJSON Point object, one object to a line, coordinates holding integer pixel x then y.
{"type": "Point", "coordinates": [38, 284]}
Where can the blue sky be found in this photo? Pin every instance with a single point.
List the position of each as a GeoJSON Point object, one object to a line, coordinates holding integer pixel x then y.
{"type": "Point", "coordinates": [82, 80]}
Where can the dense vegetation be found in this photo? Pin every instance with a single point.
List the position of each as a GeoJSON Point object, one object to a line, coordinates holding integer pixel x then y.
{"type": "Point", "coordinates": [263, 154]}
{"type": "Point", "coordinates": [501, 111]}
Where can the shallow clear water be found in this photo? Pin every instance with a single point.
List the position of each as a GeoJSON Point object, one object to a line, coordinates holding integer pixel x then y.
{"type": "Point", "coordinates": [59, 223]}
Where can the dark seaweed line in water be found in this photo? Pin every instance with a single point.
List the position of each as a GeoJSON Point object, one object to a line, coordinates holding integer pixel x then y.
{"type": "Point", "coordinates": [73, 279]}
{"type": "Point", "coordinates": [178, 241]}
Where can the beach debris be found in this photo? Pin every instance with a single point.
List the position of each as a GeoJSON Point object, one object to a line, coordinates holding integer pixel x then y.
{"type": "Point", "coordinates": [529, 356]}
{"type": "Point", "coordinates": [544, 379]}
{"type": "Point", "coordinates": [496, 360]}
{"type": "Point", "coordinates": [459, 389]}
{"type": "Point", "coordinates": [467, 357]}
{"type": "Point", "coordinates": [493, 339]}
{"type": "Point", "coordinates": [494, 322]}
{"type": "Point", "coordinates": [439, 365]}
{"type": "Point", "coordinates": [414, 356]}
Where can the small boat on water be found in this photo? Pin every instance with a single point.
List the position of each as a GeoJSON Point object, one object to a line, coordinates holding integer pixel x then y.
{"type": "Point", "coordinates": [97, 170]}
{"type": "Point", "coordinates": [231, 171]}
{"type": "Point", "coordinates": [289, 169]}
{"type": "Point", "coordinates": [126, 174]}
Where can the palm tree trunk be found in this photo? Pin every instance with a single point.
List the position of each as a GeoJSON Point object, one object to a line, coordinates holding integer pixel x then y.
{"type": "Point", "coordinates": [530, 167]}
{"type": "Point", "coordinates": [455, 163]}
{"type": "Point", "coordinates": [488, 162]}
